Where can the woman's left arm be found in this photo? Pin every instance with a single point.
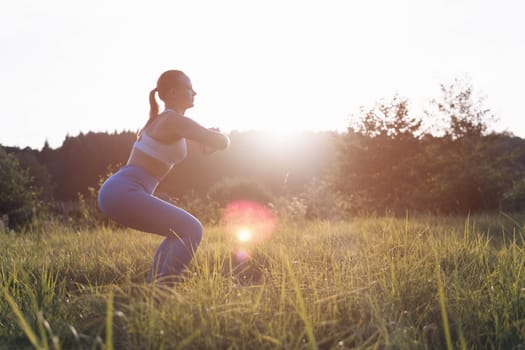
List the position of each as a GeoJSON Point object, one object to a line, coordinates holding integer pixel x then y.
{"type": "Point", "coordinates": [192, 130]}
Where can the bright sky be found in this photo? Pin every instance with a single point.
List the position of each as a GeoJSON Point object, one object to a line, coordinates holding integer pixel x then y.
{"type": "Point", "coordinates": [69, 66]}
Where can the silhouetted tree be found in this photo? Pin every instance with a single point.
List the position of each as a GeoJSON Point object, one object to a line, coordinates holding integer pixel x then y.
{"type": "Point", "coordinates": [373, 170]}
{"type": "Point", "coordinates": [18, 199]}
{"type": "Point", "coordinates": [388, 163]}
{"type": "Point", "coordinates": [461, 111]}
{"type": "Point", "coordinates": [83, 160]}
{"type": "Point", "coordinates": [41, 180]}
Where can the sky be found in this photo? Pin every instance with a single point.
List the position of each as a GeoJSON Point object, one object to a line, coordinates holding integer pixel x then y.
{"type": "Point", "coordinates": [68, 66]}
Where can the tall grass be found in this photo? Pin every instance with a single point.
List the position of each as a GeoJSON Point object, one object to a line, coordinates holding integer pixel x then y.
{"type": "Point", "coordinates": [413, 283]}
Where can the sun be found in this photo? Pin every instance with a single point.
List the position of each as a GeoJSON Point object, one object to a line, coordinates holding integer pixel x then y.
{"type": "Point", "coordinates": [244, 235]}
{"type": "Point", "coordinates": [248, 222]}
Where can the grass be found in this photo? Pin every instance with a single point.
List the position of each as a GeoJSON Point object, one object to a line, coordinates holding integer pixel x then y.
{"type": "Point", "coordinates": [380, 283]}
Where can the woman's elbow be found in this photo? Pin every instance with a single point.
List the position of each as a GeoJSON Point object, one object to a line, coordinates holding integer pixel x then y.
{"type": "Point", "coordinates": [224, 142]}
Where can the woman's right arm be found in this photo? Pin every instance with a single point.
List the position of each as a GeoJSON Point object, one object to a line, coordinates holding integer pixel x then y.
{"type": "Point", "coordinates": [190, 129]}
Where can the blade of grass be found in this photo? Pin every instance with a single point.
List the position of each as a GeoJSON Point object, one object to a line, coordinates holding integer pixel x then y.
{"type": "Point", "coordinates": [109, 322]}
{"type": "Point", "coordinates": [22, 321]}
{"type": "Point", "coordinates": [442, 304]}
{"type": "Point", "coordinates": [302, 307]}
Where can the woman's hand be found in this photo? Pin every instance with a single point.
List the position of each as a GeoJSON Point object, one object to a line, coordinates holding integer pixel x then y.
{"type": "Point", "coordinates": [207, 150]}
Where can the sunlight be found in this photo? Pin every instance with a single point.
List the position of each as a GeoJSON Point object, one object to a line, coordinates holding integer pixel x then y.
{"type": "Point", "coordinates": [244, 235]}
{"type": "Point", "coordinates": [248, 221]}
{"type": "Point", "coordinates": [277, 141]}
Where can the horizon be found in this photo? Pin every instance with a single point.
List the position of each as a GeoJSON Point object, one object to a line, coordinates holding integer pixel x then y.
{"type": "Point", "coordinates": [275, 134]}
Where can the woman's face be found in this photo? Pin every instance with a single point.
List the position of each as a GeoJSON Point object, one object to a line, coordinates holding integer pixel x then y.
{"type": "Point", "coordinates": [184, 94]}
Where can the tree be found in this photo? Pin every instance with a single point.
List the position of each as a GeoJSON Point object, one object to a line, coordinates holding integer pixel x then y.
{"type": "Point", "coordinates": [18, 199]}
{"type": "Point", "coordinates": [388, 163]}
{"type": "Point", "coordinates": [390, 119]}
{"type": "Point", "coordinates": [471, 173]}
{"type": "Point", "coordinates": [461, 110]}
{"type": "Point", "coordinates": [374, 171]}
{"type": "Point", "coordinates": [473, 168]}
{"type": "Point", "coordinates": [41, 180]}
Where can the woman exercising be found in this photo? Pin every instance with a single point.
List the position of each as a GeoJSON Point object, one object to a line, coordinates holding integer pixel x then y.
{"type": "Point", "coordinates": [127, 196]}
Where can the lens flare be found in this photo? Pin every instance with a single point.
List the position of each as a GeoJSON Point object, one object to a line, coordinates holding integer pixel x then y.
{"type": "Point", "coordinates": [244, 235]}
{"type": "Point", "coordinates": [248, 221]}
{"type": "Point", "coordinates": [242, 255]}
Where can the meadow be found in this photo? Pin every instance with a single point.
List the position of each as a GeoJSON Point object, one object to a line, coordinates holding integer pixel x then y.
{"type": "Point", "coordinates": [422, 282]}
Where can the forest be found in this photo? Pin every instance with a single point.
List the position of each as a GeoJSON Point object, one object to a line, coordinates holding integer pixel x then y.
{"type": "Point", "coordinates": [388, 161]}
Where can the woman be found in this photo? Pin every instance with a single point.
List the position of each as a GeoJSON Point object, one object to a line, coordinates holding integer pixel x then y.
{"type": "Point", "coordinates": [127, 196]}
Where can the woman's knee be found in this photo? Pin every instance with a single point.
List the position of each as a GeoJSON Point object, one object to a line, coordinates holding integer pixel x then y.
{"type": "Point", "coordinates": [196, 230]}
{"type": "Point", "coordinates": [188, 227]}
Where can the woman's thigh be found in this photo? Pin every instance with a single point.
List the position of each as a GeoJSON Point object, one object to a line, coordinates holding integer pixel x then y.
{"type": "Point", "coordinates": [163, 218]}
{"type": "Point", "coordinates": [135, 208]}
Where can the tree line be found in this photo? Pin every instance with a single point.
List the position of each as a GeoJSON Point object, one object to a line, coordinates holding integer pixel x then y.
{"type": "Point", "coordinates": [389, 160]}
{"type": "Point", "coordinates": [257, 164]}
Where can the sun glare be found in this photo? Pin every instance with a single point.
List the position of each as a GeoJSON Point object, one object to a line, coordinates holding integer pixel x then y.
{"type": "Point", "coordinates": [248, 221]}
{"type": "Point", "coordinates": [244, 235]}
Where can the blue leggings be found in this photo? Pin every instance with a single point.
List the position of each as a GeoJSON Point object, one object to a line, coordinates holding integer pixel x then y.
{"type": "Point", "coordinates": [127, 197]}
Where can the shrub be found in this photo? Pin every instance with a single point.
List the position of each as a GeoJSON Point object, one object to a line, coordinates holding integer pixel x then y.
{"type": "Point", "coordinates": [18, 199]}
{"type": "Point", "coordinates": [231, 189]}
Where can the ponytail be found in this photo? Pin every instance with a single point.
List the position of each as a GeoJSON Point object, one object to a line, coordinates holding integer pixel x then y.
{"type": "Point", "coordinates": [153, 110]}
{"type": "Point", "coordinates": [153, 105]}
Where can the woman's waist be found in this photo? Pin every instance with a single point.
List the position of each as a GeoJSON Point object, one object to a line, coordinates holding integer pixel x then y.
{"type": "Point", "coordinates": [152, 166]}
{"type": "Point", "coordinates": [137, 175]}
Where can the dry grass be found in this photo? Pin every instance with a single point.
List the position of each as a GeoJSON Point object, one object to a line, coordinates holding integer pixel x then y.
{"type": "Point", "coordinates": [384, 283]}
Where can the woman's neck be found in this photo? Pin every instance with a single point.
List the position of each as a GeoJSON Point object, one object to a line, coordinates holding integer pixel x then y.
{"type": "Point", "coordinates": [175, 108]}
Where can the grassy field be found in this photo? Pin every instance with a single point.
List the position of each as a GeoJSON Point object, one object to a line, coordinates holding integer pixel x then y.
{"type": "Point", "coordinates": [380, 283]}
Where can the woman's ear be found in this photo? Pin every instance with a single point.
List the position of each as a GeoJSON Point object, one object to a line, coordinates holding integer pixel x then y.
{"type": "Point", "coordinates": [172, 92]}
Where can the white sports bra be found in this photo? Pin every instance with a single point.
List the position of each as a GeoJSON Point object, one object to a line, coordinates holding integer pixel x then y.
{"type": "Point", "coordinates": [168, 153]}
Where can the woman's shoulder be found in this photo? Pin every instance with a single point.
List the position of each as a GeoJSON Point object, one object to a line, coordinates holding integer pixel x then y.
{"type": "Point", "coordinates": [167, 120]}
{"type": "Point", "coordinates": [171, 117]}
{"type": "Point", "coordinates": [173, 124]}
{"type": "Point", "coordinates": [166, 127]}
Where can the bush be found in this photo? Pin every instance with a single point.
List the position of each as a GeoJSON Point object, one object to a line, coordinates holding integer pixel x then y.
{"type": "Point", "coordinates": [18, 199]}
{"type": "Point", "coordinates": [231, 189]}
{"type": "Point", "coordinates": [321, 201]}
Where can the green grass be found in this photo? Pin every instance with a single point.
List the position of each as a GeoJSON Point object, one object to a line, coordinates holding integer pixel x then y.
{"type": "Point", "coordinates": [378, 283]}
